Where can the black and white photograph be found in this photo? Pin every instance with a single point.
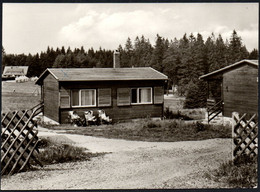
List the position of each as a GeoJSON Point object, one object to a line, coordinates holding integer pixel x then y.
{"type": "Point", "coordinates": [112, 95]}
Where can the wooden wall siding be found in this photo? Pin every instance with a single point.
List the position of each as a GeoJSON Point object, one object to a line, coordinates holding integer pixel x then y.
{"type": "Point", "coordinates": [240, 90]}
{"type": "Point", "coordinates": [158, 95]}
{"type": "Point", "coordinates": [104, 97]}
{"type": "Point", "coordinates": [120, 112]}
{"type": "Point", "coordinates": [51, 98]}
{"type": "Point", "coordinates": [114, 111]}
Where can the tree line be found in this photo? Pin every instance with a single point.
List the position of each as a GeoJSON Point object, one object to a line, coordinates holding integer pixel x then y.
{"type": "Point", "coordinates": [182, 60]}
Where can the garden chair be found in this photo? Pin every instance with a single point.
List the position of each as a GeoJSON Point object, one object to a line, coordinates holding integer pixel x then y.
{"type": "Point", "coordinates": [103, 118]}
{"type": "Point", "coordinates": [74, 118]}
{"type": "Point", "coordinates": [90, 118]}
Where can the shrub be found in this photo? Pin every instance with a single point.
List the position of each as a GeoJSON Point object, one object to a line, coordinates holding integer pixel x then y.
{"type": "Point", "coordinates": [200, 126]}
{"type": "Point", "coordinates": [196, 95]}
{"type": "Point", "coordinates": [59, 153]}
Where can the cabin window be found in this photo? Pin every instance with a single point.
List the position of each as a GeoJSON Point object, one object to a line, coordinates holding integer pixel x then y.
{"type": "Point", "coordinates": [141, 95]}
{"type": "Point", "coordinates": [84, 97]}
{"type": "Point", "coordinates": [75, 97]}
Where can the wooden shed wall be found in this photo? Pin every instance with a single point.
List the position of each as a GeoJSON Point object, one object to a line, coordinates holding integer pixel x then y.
{"type": "Point", "coordinates": [51, 97]}
{"type": "Point", "coordinates": [240, 90]}
{"type": "Point", "coordinates": [116, 112]}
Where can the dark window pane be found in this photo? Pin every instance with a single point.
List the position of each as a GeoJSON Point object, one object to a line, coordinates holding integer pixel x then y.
{"type": "Point", "coordinates": [134, 96]}
{"type": "Point", "coordinates": [75, 97]}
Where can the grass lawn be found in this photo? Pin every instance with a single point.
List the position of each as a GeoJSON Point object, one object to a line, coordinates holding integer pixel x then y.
{"type": "Point", "coordinates": [22, 98]}
{"type": "Point", "coordinates": [239, 174]}
{"type": "Point", "coordinates": [175, 104]}
{"type": "Point", "coordinates": [151, 130]}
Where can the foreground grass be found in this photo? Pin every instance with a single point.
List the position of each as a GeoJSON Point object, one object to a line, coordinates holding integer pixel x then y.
{"type": "Point", "coordinates": [240, 174]}
{"type": "Point", "coordinates": [150, 130]}
{"type": "Point", "coordinates": [175, 104]}
{"type": "Point", "coordinates": [53, 152]}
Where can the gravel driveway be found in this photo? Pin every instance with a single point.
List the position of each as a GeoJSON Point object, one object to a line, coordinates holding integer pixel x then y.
{"type": "Point", "coordinates": [130, 165]}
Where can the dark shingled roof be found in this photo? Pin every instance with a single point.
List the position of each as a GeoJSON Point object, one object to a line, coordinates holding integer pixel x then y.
{"type": "Point", "coordinates": [102, 74]}
{"type": "Point", "coordinates": [229, 67]}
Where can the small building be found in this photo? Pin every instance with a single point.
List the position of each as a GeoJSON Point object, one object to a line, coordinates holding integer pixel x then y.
{"type": "Point", "coordinates": [124, 93]}
{"type": "Point", "coordinates": [14, 71]}
{"type": "Point", "coordinates": [239, 87]}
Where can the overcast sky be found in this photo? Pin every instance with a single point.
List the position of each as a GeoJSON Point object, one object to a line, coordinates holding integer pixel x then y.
{"type": "Point", "coordinates": [30, 28]}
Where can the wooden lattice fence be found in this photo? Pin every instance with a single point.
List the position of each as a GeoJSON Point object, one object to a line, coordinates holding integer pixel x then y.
{"type": "Point", "coordinates": [244, 135]}
{"type": "Point", "coordinates": [19, 140]}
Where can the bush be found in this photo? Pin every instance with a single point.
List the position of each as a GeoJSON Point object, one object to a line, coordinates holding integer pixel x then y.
{"type": "Point", "coordinates": [59, 153]}
{"type": "Point", "coordinates": [196, 95]}
{"type": "Point", "coordinates": [200, 126]}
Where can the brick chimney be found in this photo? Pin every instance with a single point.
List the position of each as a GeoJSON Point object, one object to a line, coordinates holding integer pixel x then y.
{"type": "Point", "coordinates": [116, 59]}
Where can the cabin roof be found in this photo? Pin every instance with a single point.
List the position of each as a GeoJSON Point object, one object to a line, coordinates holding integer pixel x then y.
{"type": "Point", "coordinates": [228, 68]}
{"type": "Point", "coordinates": [102, 74]}
{"type": "Point", "coordinates": [15, 70]}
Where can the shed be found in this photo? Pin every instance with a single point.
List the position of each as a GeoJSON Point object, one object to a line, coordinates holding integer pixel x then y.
{"type": "Point", "coordinates": [15, 71]}
{"type": "Point", "coordinates": [124, 93]}
{"type": "Point", "coordinates": [239, 87]}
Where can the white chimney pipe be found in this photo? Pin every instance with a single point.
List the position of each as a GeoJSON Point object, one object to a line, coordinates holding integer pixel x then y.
{"type": "Point", "coordinates": [116, 59]}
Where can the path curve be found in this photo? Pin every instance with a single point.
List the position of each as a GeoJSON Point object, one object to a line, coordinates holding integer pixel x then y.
{"type": "Point", "coordinates": [130, 165]}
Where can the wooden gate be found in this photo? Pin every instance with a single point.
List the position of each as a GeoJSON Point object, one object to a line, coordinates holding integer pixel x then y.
{"type": "Point", "coordinates": [19, 139]}
{"type": "Point", "coordinates": [244, 135]}
{"type": "Point", "coordinates": [214, 109]}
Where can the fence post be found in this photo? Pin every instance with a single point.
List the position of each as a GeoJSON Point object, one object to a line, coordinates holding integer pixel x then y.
{"type": "Point", "coordinates": [233, 121]}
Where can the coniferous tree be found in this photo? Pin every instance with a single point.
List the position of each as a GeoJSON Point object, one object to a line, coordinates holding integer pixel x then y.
{"type": "Point", "coordinates": [253, 54]}
{"type": "Point", "coordinates": [183, 68]}
{"type": "Point", "coordinates": [171, 62]}
{"type": "Point", "coordinates": [158, 53]}
{"type": "Point", "coordinates": [236, 49]}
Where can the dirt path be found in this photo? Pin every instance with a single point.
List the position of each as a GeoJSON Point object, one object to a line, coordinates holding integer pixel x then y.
{"type": "Point", "coordinates": [131, 165]}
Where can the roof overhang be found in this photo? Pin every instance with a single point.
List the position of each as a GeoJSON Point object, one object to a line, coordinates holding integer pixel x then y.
{"type": "Point", "coordinates": [49, 71]}
{"type": "Point", "coordinates": [218, 73]}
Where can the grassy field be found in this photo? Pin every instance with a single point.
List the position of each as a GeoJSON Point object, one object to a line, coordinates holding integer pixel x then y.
{"type": "Point", "coordinates": [152, 130]}
{"type": "Point", "coordinates": [18, 96]}
{"type": "Point", "coordinates": [175, 104]}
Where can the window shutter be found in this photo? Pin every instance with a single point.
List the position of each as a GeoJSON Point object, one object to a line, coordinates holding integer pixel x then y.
{"type": "Point", "coordinates": [158, 95]}
{"type": "Point", "coordinates": [64, 98]}
{"type": "Point", "coordinates": [123, 96]}
{"type": "Point", "coordinates": [104, 97]}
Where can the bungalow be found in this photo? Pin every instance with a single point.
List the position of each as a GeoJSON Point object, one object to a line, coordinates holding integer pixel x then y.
{"type": "Point", "coordinates": [239, 87]}
{"type": "Point", "coordinates": [124, 93]}
{"type": "Point", "coordinates": [14, 71]}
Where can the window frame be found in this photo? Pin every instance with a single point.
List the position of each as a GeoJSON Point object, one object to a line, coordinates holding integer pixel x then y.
{"type": "Point", "coordinates": [137, 95]}
{"type": "Point", "coordinates": [80, 105]}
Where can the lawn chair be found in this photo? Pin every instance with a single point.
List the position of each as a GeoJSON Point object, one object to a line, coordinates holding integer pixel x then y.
{"type": "Point", "coordinates": [90, 118]}
{"type": "Point", "coordinates": [103, 118]}
{"type": "Point", "coordinates": [74, 118]}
